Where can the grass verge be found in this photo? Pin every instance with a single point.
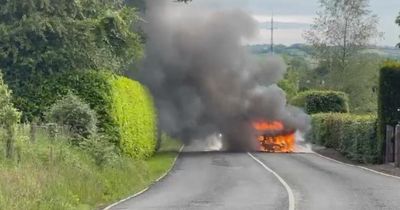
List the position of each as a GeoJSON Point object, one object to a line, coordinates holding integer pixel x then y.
{"type": "Point", "coordinates": [48, 176]}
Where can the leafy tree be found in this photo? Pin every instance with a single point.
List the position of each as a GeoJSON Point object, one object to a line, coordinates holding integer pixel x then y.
{"type": "Point", "coordinates": [39, 38]}
{"type": "Point", "coordinates": [341, 30]}
{"type": "Point", "coordinates": [9, 117]}
{"type": "Point", "coordinates": [361, 82]}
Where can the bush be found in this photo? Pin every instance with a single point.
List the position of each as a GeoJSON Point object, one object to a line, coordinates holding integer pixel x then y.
{"type": "Point", "coordinates": [322, 101]}
{"type": "Point", "coordinates": [388, 101]}
{"type": "Point", "coordinates": [72, 112]}
{"type": "Point", "coordinates": [100, 149]}
{"type": "Point", "coordinates": [352, 135]}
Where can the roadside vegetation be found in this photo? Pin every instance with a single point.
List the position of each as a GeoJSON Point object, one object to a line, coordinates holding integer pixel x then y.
{"type": "Point", "coordinates": [76, 132]}
{"type": "Point", "coordinates": [354, 136]}
{"type": "Point", "coordinates": [51, 173]}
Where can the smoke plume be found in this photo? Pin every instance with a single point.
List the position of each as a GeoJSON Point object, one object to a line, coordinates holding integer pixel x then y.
{"type": "Point", "coordinates": [203, 79]}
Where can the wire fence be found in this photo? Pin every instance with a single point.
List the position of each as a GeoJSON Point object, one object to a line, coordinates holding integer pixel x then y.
{"type": "Point", "coordinates": [31, 134]}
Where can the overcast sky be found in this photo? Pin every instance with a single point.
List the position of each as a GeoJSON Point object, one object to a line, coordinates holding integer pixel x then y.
{"type": "Point", "coordinates": [294, 16]}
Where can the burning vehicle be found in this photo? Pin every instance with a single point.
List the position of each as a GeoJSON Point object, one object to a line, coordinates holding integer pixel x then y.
{"type": "Point", "coordinates": [273, 136]}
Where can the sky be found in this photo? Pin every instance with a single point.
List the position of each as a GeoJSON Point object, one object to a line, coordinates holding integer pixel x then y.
{"type": "Point", "coordinates": [292, 17]}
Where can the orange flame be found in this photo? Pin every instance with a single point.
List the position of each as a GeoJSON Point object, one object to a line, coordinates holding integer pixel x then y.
{"type": "Point", "coordinates": [273, 137]}
{"type": "Point", "coordinates": [268, 126]}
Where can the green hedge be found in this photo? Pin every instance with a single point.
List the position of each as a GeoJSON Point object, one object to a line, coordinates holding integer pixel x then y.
{"type": "Point", "coordinates": [124, 108]}
{"type": "Point", "coordinates": [388, 100]}
{"type": "Point", "coordinates": [352, 135]}
{"type": "Point", "coordinates": [92, 87]}
{"type": "Point", "coordinates": [133, 111]}
{"type": "Point", "coordinates": [314, 101]}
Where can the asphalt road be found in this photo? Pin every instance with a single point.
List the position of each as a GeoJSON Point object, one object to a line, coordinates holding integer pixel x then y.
{"type": "Point", "coordinates": [230, 181]}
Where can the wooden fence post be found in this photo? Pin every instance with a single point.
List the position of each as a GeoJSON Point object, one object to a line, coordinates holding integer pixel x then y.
{"type": "Point", "coordinates": [32, 131]}
{"type": "Point", "coordinates": [389, 154]}
{"type": "Point", "coordinates": [397, 147]}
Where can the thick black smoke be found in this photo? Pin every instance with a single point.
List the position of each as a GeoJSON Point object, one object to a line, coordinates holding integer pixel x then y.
{"type": "Point", "coordinates": [203, 79]}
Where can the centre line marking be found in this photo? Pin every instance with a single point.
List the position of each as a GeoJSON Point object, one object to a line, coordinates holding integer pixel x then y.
{"type": "Point", "coordinates": [287, 187]}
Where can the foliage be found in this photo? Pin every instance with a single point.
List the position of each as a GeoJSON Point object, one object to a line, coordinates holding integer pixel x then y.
{"type": "Point", "coordinates": [40, 38]}
{"type": "Point", "coordinates": [341, 30]}
{"type": "Point", "coordinates": [290, 83]}
{"type": "Point", "coordinates": [72, 112]}
{"type": "Point", "coordinates": [296, 68]}
{"type": "Point", "coordinates": [133, 111]}
{"type": "Point", "coordinates": [100, 149]}
{"type": "Point", "coordinates": [314, 101]}
{"type": "Point", "coordinates": [73, 180]}
{"type": "Point", "coordinates": [93, 88]}
{"type": "Point", "coordinates": [124, 115]}
{"type": "Point", "coordinates": [353, 135]}
{"type": "Point", "coordinates": [9, 117]}
{"type": "Point", "coordinates": [388, 99]}
{"type": "Point", "coordinates": [360, 81]}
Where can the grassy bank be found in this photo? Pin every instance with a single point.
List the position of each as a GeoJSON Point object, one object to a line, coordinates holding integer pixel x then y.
{"type": "Point", "coordinates": [59, 176]}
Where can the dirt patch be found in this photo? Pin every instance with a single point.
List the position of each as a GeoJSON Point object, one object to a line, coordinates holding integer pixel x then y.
{"type": "Point", "coordinates": [331, 153]}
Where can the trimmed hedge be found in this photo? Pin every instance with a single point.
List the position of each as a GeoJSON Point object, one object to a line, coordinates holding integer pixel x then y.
{"type": "Point", "coordinates": [92, 87]}
{"type": "Point", "coordinates": [315, 101]}
{"type": "Point", "coordinates": [352, 135]}
{"type": "Point", "coordinates": [132, 109]}
{"type": "Point", "coordinates": [124, 108]}
{"type": "Point", "coordinates": [388, 100]}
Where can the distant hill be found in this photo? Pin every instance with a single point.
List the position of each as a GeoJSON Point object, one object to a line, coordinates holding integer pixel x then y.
{"type": "Point", "coordinates": [388, 52]}
{"type": "Point", "coordinates": [303, 50]}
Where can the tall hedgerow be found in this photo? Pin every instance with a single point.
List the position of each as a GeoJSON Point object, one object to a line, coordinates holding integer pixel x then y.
{"type": "Point", "coordinates": [353, 135]}
{"type": "Point", "coordinates": [133, 111]}
{"type": "Point", "coordinates": [388, 100]}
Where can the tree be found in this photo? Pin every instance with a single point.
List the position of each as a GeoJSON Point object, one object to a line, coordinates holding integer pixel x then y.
{"type": "Point", "coordinates": [40, 38]}
{"type": "Point", "coordinates": [361, 82]}
{"type": "Point", "coordinates": [9, 117]}
{"type": "Point", "coordinates": [341, 30]}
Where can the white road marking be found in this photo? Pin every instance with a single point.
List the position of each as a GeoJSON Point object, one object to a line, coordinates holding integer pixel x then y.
{"type": "Point", "coordinates": [147, 188]}
{"type": "Point", "coordinates": [283, 182]}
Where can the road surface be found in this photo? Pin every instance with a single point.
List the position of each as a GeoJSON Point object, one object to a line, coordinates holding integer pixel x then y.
{"type": "Point", "coordinates": [230, 181]}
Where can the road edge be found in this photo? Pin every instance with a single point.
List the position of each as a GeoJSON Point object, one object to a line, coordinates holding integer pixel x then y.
{"type": "Point", "coordinates": [356, 166]}
{"type": "Point", "coordinates": [281, 180]}
{"type": "Point", "coordinates": [148, 187]}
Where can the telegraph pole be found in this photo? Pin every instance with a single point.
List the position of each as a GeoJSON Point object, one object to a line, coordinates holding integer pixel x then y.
{"type": "Point", "coordinates": [272, 33]}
